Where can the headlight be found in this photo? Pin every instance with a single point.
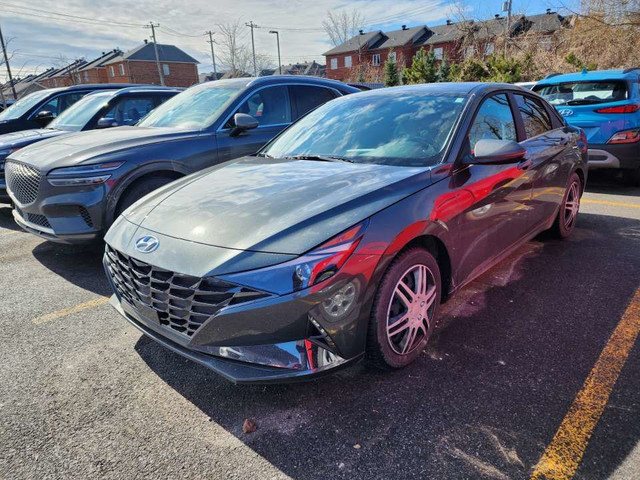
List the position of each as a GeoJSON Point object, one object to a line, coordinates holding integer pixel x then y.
{"type": "Point", "coordinates": [82, 175]}
{"type": "Point", "coordinates": [316, 266]}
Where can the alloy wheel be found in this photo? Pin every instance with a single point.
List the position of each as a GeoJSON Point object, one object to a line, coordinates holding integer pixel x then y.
{"type": "Point", "coordinates": [571, 205]}
{"type": "Point", "coordinates": [411, 310]}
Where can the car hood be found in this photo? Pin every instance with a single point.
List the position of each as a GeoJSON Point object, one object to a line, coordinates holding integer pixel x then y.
{"type": "Point", "coordinates": [274, 205]}
{"type": "Point", "coordinates": [27, 137]}
{"type": "Point", "coordinates": [91, 146]}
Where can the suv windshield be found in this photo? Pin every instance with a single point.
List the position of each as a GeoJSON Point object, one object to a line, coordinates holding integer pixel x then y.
{"type": "Point", "coordinates": [583, 93]}
{"type": "Point", "coordinates": [23, 105]}
{"type": "Point", "coordinates": [76, 117]}
{"type": "Point", "coordinates": [195, 108]}
{"type": "Point", "coordinates": [406, 128]}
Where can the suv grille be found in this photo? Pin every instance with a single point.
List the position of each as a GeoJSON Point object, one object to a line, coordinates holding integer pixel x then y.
{"type": "Point", "coordinates": [34, 218]}
{"type": "Point", "coordinates": [182, 302]}
{"type": "Point", "coordinates": [23, 181]}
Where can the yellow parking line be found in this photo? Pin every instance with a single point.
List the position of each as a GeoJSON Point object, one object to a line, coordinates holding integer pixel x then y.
{"type": "Point", "coordinates": [70, 311]}
{"type": "Point", "coordinates": [612, 204]}
{"type": "Point", "coordinates": [564, 454]}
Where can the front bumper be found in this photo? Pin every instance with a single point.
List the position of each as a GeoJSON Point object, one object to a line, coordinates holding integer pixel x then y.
{"type": "Point", "coordinates": [273, 338]}
{"type": "Point", "coordinates": [65, 215]}
{"type": "Point", "coordinates": [626, 156]}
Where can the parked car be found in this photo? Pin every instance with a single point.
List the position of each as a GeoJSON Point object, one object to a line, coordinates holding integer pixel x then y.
{"type": "Point", "coordinates": [340, 238]}
{"type": "Point", "coordinates": [606, 105]}
{"type": "Point", "coordinates": [100, 109]}
{"type": "Point", "coordinates": [37, 109]}
{"type": "Point", "coordinates": [71, 189]}
{"type": "Point", "coordinates": [6, 104]}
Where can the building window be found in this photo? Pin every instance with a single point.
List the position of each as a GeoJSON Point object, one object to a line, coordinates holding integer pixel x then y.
{"type": "Point", "coordinates": [347, 62]}
{"type": "Point", "coordinates": [469, 51]}
{"type": "Point", "coordinates": [55, 82]}
{"type": "Point", "coordinates": [439, 53]}
{"type": "Point", "coordinates": [489, 48]}
{"type": "Point", "coordinates": [375, 60]}
{"type": "Point", "coordinates": [392, 57]}
{"type": "Point", "coordinates": [165, 69]}
{"type": "Point", "coordinates": [545, 43]}
{"type": "Point", "coordinates": [86, 77]}
{"type": "Point", "coordinates": [121, 66]}
{"type": "Point", "coordinates": [112, 72]}
{"type": "Point", "coordinates": [334, 63]}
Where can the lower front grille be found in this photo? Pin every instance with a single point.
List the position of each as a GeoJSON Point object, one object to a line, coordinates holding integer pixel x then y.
{"type": "Point", "coordinates": [34, 218]}
{"type": "Point", "coordinates": [23, 181]}
{"type": "Point", "coordinates": [182, 302]}
{"type": "Point", "coordinates": [85, 216]}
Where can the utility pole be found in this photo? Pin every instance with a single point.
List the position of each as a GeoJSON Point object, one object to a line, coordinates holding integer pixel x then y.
{"type": "Point", "coordinates": [253, 46]}
{"type": "Point", "coordinates": [278, 40]}
{"type": "Point", "coordinates": [506, 7]}
{"type": "Point", "coordinates": [6, 62]}
{"type": "Point", "coordinates": [213, 55]}
{"type": "Point", "coordinates": [155, 48]}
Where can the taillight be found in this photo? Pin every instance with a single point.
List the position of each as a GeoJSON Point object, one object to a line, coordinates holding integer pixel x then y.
{"type": "Point", "coordinates": [630, 108]}
{"type": "Point", "coordinates": [626, 136]}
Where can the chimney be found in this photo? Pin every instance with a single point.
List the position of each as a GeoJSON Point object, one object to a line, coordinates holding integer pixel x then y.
{"type": "Point", "coordinates": [448, 21]}
{"type": "Point", "coordinates": [404, 27]}
{"type": "Point", "coordinates": [497, 15]}
{"type": "Point", "coordinates": [146, 41]}
{"type": "Point", "coordinates": [361, 32]}
{"type": "Point", "coordinates": [548, 11]}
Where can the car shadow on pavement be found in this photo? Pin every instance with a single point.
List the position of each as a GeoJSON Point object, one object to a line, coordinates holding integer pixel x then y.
{"type": "Point", "coordinates": [512, 351]}
{"type": "Point", "coordinates": [6, 218]}
{"type": "Point", "coordinates": [607, 182]}
{"type": "Point", "coordinates": [80, 265]}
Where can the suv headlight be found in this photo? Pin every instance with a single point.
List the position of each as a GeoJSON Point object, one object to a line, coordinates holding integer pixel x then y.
{"type": "Point", "coordinates": [309, 269]}
{"type": "Point", "coordinates": [82, 175]}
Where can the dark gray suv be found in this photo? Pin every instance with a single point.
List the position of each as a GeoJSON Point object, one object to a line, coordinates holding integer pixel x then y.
{"type": "Point", "coordinates": [71, 189]}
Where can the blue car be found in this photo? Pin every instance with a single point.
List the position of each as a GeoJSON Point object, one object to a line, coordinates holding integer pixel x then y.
{"type": "Point", "coordinates": [606, 105]}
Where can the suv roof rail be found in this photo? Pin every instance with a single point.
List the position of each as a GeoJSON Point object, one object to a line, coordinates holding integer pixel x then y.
{"type": "Point", "coordinates": [553, 74]}
{"type": "Point", "coordinates": [629, 70]}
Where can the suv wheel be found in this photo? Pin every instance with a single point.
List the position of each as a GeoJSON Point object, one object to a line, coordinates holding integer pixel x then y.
{"type": "Point", "coordinates": [138, 190]}
{"type": "Point", "coordinates": [404, 309]}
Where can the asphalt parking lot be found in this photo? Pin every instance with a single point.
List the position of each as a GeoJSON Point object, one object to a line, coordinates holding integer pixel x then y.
{"type": "Point", "coordinates": [514, 374]}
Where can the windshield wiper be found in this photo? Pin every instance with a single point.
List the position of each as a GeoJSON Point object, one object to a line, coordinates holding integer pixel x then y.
{"type": "Point", "coordinates": [262, 154]}
{"type": "Point", "coordinates": [319, 158]}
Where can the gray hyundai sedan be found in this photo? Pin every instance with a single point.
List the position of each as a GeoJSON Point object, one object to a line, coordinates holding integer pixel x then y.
{"type": "Point", "coordinates": [340, 238]}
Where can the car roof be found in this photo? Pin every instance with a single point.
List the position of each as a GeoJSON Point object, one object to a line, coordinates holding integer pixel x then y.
{"type": "Point", "coordinates": [124, 91]}
{"type": "Point", "coordinates": [453, 88]}
{"type": "Point", "coordinates": [277, 79]}
{"type": "Point", "coordinates": [631, 73]}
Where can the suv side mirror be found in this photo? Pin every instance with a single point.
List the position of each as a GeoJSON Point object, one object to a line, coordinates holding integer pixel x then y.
{"type": "Point", "coordinates": [106, 123]}
{"type": "Point", "coordinates": [492, 152]}
{"type": "Point", "coordinates": [242, 123]}
{"type": "Point", "coordinates": [44, 117]}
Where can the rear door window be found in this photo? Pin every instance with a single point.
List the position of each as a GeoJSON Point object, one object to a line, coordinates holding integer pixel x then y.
{"type": "Point", "coordinates": [129, 110]}
{"type": "Point", "coordinates": [534, 116]}
{"type": "Point", "coordinates": [583, 93]}
{"type": "Point", "coordinates": [307, 97]}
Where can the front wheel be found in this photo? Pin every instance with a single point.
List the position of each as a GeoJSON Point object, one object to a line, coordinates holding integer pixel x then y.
{"type": "Point", "coordinates": [569, 208]}
{"type": "Point", "coordinates": [403, 314]}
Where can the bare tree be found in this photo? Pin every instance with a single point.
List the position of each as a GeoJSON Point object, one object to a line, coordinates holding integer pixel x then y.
{"type": "Point", "coordinates": [233, 52]}
{"type": "Point", "coordinates": [342, 25]}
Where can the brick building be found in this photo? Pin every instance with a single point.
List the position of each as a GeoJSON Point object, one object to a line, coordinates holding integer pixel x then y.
{"type": "Point", "coordinates": [454, 40]}
{"type": "Point", "coordinates": [96, 70]}
{"type": "Point", "coordinates": [139, 66]}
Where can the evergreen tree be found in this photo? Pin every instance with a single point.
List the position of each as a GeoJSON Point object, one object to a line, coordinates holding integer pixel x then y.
{"type": "Point", "coordinates": [423, 67]}
{"type": "Point", "coordinates": [391, 76]}
{"type": "Point", "coordinates": [444, 71]}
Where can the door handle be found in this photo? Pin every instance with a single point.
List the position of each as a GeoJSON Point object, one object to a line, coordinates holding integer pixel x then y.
{"type": "Point", "coordinates": [524, 164]}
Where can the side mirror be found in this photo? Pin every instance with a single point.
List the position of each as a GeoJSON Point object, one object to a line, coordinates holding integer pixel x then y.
{"type": "Point", "coordinates": [242, 123]}
{"type": "Point", "coordinates": [44, 117]}
{"type": "Point", "coordinates": [106, 123]}
{"type": "Point", "coordinates": [497, 151]}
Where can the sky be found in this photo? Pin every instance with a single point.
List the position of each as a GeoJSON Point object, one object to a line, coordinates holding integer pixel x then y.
{"type": "Point", "coordinates": [48, 32]}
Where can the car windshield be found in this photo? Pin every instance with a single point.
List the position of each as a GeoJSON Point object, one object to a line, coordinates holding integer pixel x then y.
{"type": "Point", "coordinates": [23, 105]}
{"type": "Point", "coordinates": [195, 108]}
{"type": "Point", "coordinates": [404, 128]}
{"type": "Point", "coordinates": [78, 115]}
{"type": "Point", "coordinates": [583, 93]}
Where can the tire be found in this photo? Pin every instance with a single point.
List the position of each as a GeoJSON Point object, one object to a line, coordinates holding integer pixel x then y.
{"type": "Point", "coordinates": [393, 350]}
{"type": "Point", "coordinates": [139, 190]}
{"type": "Point", "coordinates": [567, 217]}
{"type": "Point", "coordinates": [631, 177]}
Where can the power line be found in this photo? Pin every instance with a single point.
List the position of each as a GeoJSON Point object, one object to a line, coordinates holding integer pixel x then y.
{"type": "Point", "coordinates": [49, 12]}
{"type": "Point", "coordinates": [175, 33]}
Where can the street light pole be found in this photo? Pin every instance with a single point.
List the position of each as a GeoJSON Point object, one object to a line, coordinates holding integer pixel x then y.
{"type": "Point", "coordinates": [278, 40]}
